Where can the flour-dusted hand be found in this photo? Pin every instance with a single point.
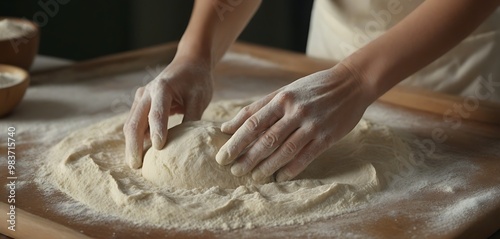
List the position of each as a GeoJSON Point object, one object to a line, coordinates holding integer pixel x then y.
{"type": "Point", "coordinates": [286, 130]}
{"type": "Point", "coordinates": [184, 87]}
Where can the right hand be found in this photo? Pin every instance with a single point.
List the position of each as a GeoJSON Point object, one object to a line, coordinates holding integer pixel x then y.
{"type": "Point", "coordinates": [185, 86]}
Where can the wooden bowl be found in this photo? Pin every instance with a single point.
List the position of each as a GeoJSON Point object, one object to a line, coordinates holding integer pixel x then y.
{"type": "Point", "coordinates": [12, 90]}
{"type": "Point", "coordinates": [20, 51]}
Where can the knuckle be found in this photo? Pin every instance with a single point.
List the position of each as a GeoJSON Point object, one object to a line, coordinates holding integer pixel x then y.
{"type": "Point", "coordinates": [314, 129]}
{"type": "Point", "coordinates": [269, 140]}
{"type": "Point", "coordinates": [130, 128]}
{"type": "Point", "coordinates": [325, 140]}
{"type": "Point", "coordinates": [157, 83]}
{"type": "Point", "coordinates": [246, 111]}
{"type": "Point", "coordinates": [285, 97]}
{"type": "Point", "coordinates": [289, 149]}
{"type": "Point", "coordinates": [139, 92]}
{"type": "Point", "coordinates": [155, 115]}
{"type": "Point", "coordinates": [252, 124]}
{"type": "Point", "coordinates": [160, 89]}
{"type": "Point", "coordinates": [301, 111]}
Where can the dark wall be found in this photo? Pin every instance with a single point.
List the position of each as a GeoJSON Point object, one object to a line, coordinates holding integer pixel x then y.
{"type": "Point", "coordinates": [83, 29]}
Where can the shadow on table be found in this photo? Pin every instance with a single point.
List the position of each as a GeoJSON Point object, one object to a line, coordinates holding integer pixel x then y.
{"type": "Point", "coordinates": [30, 109]}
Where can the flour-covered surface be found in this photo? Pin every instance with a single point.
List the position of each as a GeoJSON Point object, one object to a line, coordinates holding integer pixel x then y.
{"type": "Point", "coordinates": [182, 186]}
{"type": "Point", "coordinates": [459, 194]}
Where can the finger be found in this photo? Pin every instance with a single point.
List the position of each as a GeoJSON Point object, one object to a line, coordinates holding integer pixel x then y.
{"type": "Point", "coordinates": [265, 145]}
{"type": "Point", "coordinates": [158, 119]}
{"type": "Point", "coordinates": [248, 132]}
{"type": "Point", "coordinates": [301, 161]}
{"type": "Point", "coordinates": [137, 98]}
{"type": "Point", "coordinates": [284, 154]}
{"type": "Point", "coordinates": [135, 130]}
{"type": "Point", "coordinates": [234, 124]}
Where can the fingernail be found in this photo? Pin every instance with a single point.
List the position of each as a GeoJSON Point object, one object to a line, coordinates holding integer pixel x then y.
{"type": "Point", "coordinates": [282, 177]}
{"type": "Point", "coordinates": [157, 141]}
{"type": "Point", "coordinates": [238, 170]}
{"type": "Point", "coordinates": [257, 174]}
{"type": "Point", "coordinates": [221, 157]}
{"type": "Point", "coordinates": [223, 127]}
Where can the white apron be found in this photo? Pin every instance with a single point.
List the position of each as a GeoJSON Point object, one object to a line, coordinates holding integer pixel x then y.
{"type": "Point", "coordinates": [339, 27]}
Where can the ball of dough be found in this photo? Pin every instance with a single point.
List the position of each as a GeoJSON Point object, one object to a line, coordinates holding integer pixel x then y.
{"type": "Point", "coordinates": [188, 159]}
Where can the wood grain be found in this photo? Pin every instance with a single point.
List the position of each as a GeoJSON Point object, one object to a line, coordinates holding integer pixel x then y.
{"type": "Point", "coordinates": [28, 225]}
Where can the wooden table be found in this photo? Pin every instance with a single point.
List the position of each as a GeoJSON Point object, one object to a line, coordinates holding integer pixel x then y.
{"type": "Point", "coordinates": [478, 137]}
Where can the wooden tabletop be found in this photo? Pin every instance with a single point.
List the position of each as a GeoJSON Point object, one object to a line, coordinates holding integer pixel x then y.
{"type": "Point", "coordinates": [478, 138]}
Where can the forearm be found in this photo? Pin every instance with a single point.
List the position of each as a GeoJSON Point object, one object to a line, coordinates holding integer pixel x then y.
{"type": "Point", "coordinates": [213, 27]}
{"type": "Point", "coordinates": [431, 30]}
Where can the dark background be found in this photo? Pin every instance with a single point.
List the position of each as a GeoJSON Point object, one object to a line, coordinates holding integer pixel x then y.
{"type": "Point", "coordinates": [83, 29]}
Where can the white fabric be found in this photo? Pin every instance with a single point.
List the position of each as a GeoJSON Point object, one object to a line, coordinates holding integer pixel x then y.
{"type": "Point", "coordinates": [339, 27]}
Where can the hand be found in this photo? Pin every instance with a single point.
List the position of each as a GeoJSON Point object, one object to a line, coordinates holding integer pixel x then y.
{"type": "Point", "coordinates": [184, 87]}
{"type": "Point", "coordinates": [286, 130]}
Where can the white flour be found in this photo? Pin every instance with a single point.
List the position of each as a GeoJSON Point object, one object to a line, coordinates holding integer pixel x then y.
{"type": "Point", "coordinates": [462, 210]}
{"type": "Point", "coordinates": [11, 29]}
{"type": "Point", "coordinates": [89, 166]}
{"type": "Point", "coordinates": [9, 79]}
{"type": "Point", "coordinates": [49, 112]}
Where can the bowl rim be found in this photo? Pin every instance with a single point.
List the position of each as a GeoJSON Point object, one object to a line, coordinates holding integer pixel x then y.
{"type": "Point", "coordinates": [31, 34]}
{"type": "Point", "coordinates": [10, 68]}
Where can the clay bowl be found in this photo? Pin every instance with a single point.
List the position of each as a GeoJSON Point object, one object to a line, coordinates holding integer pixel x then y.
{"type": "Point", "coordinates": [20, 51]}
{"type": "Point", "coordinates": [13, 84]}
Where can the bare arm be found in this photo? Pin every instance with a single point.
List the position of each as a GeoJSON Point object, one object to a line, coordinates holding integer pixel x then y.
{"type": "Point", "coordinates": [214, 26]}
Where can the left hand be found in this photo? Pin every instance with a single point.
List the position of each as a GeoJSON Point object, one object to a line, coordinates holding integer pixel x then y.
{"type": "Point", "coordinates": [292, 126]}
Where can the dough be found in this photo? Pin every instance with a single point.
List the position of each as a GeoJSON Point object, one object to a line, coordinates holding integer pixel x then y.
{"type": "Point", "coordinates": [188, 159]}
{"type": "Point", "coordinates": [89, 167]}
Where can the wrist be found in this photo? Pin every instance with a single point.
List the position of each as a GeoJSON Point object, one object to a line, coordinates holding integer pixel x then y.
{"type": "Point", "coordinates": [368, 90]}
{"type": "Point", "coordinates": [198, 52]}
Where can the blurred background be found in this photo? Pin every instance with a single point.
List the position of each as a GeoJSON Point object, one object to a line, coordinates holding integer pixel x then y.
{"type": "Point", "coordinates": [84, 29]}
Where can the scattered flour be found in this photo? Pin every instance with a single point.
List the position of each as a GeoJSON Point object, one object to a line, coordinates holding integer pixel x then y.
{"type": "Point", "coordinates": [50, 112]}
{"type": "Point", "coordinates": [462, 210]}
{"type": "Point", "coordinates": [12, 29]}
{"type": "Point", "coordinates": [89, 166]}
